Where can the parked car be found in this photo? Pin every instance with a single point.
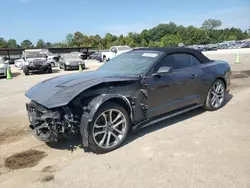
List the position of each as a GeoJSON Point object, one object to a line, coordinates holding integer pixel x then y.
{"type": "Point", "coordinates": [35, 60]}
{"type": "Point", "coordinates": [98, 55]}
{"type": "Point", "coordinates": [71, 61]}
{"type": "Point", "coordinates": [53, 58]}
{"type": "Point", "coordinates": [114, 51]}
{"type": "Point", "coordinates": [80, 54]}
{"type": "Point", "coordinates": [19, 63]}
{"type": "Point", "coordinates": [3, 67]}
{"type": "Point", "coordinates": [131, 91]}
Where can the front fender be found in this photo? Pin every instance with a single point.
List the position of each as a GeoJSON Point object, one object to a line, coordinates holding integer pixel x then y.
{"type": "Point", "coordinates": [92, 108]}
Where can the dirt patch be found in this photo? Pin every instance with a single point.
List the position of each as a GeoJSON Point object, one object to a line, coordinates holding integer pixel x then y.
{"type": "Point", "coordinates": [25, 159]}
{"type": "Point", "coordinates": [247, 72]}
{"type": "Point", "coordinates": [13, 128]}
{"type": "Point", "coordinates": [11, 135]}
{"type": "Point", "coordinates": [240, 74]}
{"type": "Point", "coordinates": [49, 169]}
{"type": "Point", "coordinates": [47, 178]}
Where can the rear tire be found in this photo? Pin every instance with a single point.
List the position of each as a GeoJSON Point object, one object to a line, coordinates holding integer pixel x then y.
{"type": "Point", "coordinates": [111, 133]}
{"type": "Point", "coordinates": [26, 70]}
{"type": "Point", "coordinates": [65, 67]}
{"type": "Point", "coordinates": [49, 69]}
{"type": "Point", "coordinates": [104, 60]}
{"type": "Point", "coordinates": [216, 96]}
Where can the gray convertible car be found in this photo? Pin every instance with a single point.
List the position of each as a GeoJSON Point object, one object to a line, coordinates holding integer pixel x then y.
{"type": "Point", "coordinates": [131, 91]}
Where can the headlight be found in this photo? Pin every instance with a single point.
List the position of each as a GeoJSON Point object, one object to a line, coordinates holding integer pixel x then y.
{"type": "Point", "coordinates": [67, 63]}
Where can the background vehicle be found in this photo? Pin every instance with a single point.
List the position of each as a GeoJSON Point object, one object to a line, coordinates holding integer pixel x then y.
{"type": "Point", "coordinates": [80, 54]}
{"type": "Point", "coordinates": [98, 55]}
{"type": "Point", "coordinates": [3, 67]}
{"type": "Point", "coordinates": [36, 60]}
{"type": "Point", "coordinates": [71, 61]}
{"type": "Point", "coordinates": [131, 91]}
{"type": "Point", "coordinates": [53, 58]}
{"type": "Point", "coordinates": [114, 51]}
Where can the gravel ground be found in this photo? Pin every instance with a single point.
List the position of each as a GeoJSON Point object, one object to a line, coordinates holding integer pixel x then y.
{"type": "Point", "coordinates": [197, 149]}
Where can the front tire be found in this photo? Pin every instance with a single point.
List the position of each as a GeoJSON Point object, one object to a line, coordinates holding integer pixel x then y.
{"type": "Point", "coordinates": [216, 96]}
{"type": "Point", "coordinates": [49, 69]}
{"type": "Point", "coordinates": [26, 70]}
{"type": "Point", "coordinates": [109, 128]}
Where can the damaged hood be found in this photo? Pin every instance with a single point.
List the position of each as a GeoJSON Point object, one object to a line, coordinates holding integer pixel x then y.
{"type": "Point", "coordinates": [60, 90]}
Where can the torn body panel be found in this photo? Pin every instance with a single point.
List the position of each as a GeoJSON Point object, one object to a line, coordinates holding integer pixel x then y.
{"type": "Point", "coordinates": [129, 95]}
{"type": "Point", "coordinates": [75, 117]}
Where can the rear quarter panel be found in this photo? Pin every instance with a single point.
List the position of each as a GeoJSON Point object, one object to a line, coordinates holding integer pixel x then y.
{"type": "Point", "coordinates": [212, 71]}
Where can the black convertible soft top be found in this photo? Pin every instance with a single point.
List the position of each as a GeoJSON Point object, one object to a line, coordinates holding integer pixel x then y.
{"type": "Point", "coordinates": [170, 50]}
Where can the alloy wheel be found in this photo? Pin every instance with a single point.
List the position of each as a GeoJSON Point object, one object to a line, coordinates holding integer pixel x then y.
{"type": "Point", "coordinates": [109, 128]}
{"type": "Point", "coordinates": [217, 94]}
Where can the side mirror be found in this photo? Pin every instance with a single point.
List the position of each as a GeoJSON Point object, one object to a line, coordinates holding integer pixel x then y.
{"type": "Point", "coordinates": [163, 71]}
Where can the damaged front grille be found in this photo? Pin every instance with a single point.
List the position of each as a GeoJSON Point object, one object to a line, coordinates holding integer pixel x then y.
{"type": "Point", "coordinates": [48, 125]}
{"type": "Point", "coordinates": [45, 124]}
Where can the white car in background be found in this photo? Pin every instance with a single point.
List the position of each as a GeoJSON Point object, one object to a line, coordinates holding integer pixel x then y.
{"type": "Point", "coordinates": [51, 58]}
{"type": "Point", "coordinates": [114, 51]}
{"type": "Point", "coordinates": [3, 67]}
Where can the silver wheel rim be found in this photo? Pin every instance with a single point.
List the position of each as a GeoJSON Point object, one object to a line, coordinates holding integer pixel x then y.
{"type": "Point", "coordinates": [109, 128]}
{"type": "Point", "coordinates": [217, 94]}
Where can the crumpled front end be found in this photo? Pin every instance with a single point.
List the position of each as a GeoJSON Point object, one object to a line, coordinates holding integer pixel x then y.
{"type": "Point", "coordinates": [50, 125]}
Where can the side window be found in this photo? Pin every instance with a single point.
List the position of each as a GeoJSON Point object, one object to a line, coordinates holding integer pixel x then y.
{"type": "Point", "coordinates": [165, 62]}
{"type": "Point", "coordinates": [182, 61]}
{"type": "Point", "coordinates": [176, 61]}
{"type": "Point", "coordinates": [194, 60]}
{"type": "Point", "coordinates": [113, 49]}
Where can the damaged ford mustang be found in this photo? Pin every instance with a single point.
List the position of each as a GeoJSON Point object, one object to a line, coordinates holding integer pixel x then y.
{"type": "Point", "coordinates": [131, 91]}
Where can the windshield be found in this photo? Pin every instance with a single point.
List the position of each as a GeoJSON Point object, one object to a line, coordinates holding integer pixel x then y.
{"type": "Point", "coordinates": [133, 62]}
{"type": "Point", "coordinates": [121, 48]}
{"type": "Point", "coordinates": [72, 57]}
{"type": "Point", "coordinates": [35, 55]}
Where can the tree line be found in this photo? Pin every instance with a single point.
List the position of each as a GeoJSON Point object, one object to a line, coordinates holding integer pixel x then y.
{"type": "Point", "coordinates": [163, 35]}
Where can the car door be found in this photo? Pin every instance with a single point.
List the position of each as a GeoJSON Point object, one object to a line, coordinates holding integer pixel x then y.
{"type": "Point", "coordinates": [174, 90]}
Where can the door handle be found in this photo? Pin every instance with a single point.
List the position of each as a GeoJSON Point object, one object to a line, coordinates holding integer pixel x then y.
{"type": "Point", "coordinates": [193, 76]}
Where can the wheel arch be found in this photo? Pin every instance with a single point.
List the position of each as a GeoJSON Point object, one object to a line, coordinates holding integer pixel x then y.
{"type": "Point", "coordinates": [94, 105]}
{"type": "Point", "coordinates": [222, 79]}
{"type": "Point", "coordinates": [219, 78]}
{"type": "Point", "coordinates": [100, 100]}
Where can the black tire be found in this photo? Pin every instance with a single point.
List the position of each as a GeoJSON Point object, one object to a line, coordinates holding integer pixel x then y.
{"type": "Point", "coordinates": [26, 70]}
{"type": "Point", "coordinates": [92, 143]}
{"type": "Point", "coordinates": [208, 102]}
{"type": "Point", "coordinates": [104, 60]}
{"type": "Point", "coordinates": [49, 69]}
{"type": "Point", "coordinates": [65, 67]}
